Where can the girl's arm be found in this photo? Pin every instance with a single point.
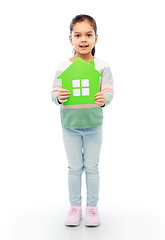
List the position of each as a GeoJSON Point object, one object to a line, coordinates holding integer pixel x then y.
{"type": "Point", "coordinates": [58, 94]}
{"type": "Point", "coordinates": [57, 86]}
{"type": "Point", "coordinates": [107, 85]}
{"type": "Point", "coordinates": [54, 95]}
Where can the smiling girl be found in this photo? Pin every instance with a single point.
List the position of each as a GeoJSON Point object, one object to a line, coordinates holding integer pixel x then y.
{"type": "Point", "coordinates": [82, 125]}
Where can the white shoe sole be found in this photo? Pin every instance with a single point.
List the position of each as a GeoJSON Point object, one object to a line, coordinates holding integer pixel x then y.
{"type": "Point", "coordinates": [92, 225]}
{"type": "Point", "coordinates": [73, 224]}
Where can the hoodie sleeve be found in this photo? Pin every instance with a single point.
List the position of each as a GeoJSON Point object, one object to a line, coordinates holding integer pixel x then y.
{"type": "Point", "coordinates": [107, 85]}
{"type": "Point", "coordinates": [56, 87]}
{"type": "Point", "coordinates": [57, 83]}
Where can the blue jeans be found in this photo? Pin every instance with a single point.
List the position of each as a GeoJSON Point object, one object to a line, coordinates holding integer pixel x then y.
{"type": "Point", "coordinates": [82, 148]}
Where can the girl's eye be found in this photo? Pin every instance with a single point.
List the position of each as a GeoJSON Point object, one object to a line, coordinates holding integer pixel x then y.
{"type": "Point", "coordinates": [77, 35]}
{"type": "Point", "coordinates": [89, 35]}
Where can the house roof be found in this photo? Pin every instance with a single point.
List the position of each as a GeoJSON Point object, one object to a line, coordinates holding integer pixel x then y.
{"type": "Point", "coordinates": [80, 66]}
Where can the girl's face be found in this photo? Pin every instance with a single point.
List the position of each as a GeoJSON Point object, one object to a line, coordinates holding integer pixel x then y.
{"type": "Point", "coordinates": [83, 38]}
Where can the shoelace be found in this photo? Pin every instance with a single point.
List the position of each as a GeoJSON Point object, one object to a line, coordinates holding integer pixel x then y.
{"type": "Point", "coordinates": [92, 212]}
{"type": "Point", "coordinates": [72, 211]}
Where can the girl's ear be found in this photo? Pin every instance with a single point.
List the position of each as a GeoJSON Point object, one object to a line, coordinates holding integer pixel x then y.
{"type": "Point", "coordinates": [70, 39]}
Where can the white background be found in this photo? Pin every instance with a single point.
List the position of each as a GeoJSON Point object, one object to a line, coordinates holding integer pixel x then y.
{"type": "Point", "coordinates": [33, 166]}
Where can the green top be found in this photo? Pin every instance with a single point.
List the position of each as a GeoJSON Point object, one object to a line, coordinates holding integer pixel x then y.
{"type": "Point", "coordinates": [81, 118]}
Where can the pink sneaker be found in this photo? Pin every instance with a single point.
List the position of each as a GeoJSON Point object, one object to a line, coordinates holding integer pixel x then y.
{"type": "Point", "coordinates": [74, 216]}
{"type": "Point", "coordinates": [92, 217]}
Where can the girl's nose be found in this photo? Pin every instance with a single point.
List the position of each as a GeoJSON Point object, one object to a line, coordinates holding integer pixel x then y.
{"type": "Point", "coordinates": [83, 39]}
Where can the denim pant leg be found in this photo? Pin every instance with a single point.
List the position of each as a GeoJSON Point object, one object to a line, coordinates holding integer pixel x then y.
{"type": "Point", "coordinates": [73, 147]}
{"type": "Point", "coordinates": [92, 142]}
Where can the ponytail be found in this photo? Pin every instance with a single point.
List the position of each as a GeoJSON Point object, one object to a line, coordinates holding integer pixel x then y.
{"type": "Point", "coordinates": [93, 51]}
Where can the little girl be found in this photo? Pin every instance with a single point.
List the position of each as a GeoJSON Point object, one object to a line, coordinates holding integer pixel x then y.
{"type": "Point", "coordinates": [82, 124]}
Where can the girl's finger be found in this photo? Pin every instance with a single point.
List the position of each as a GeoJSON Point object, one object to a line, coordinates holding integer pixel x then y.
{"type": "Point", "coordinates": [63, 101]}
{"type": "Point", "coordinates": [98, 98]}
{"type": "Point", "coordinates": [64, 93]}
{"type": "Point", "coordinates": [63, 97]}
{"type": "Point", "coordinates": [99, 102]}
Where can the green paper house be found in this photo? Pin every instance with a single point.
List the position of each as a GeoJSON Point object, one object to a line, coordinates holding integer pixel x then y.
{"type": "Point", "coordinates": [82, 81]}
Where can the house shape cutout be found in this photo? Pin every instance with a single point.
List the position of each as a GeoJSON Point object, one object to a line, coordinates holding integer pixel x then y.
{"type": "Point", "coordinates": [82, 81]}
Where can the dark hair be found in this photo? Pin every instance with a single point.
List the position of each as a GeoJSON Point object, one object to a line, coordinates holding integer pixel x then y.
{"type": "Point", "coordinates": [82, 18]}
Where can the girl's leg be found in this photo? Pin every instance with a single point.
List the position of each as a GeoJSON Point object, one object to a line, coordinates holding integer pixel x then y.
{"type": "Point", "coordinates": [92, 146]}
{"type": "Point", "coordinates": [73, 147]}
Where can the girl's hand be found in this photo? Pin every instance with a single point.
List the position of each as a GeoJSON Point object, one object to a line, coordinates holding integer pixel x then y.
{"type": "Point", "coordinates": [62, 95]}
{"type": "Point", "coordinates": [100, 99]}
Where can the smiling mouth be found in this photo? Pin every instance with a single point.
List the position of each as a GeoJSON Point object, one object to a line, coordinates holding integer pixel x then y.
{"type": "Point", "coordinates": [84, 46]}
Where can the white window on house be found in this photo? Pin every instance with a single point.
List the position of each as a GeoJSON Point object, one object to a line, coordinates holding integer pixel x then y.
{"type": "Point", "coordinates": [80, 89]}
{"type": "Point", "coordinates": [85, 83]}
{"type": "Point", "coordinates": [76, 92]}
{"type": "Point", "coordinates": [75, 83]}
{"type": "Point", "coordinates": [85, 91]}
